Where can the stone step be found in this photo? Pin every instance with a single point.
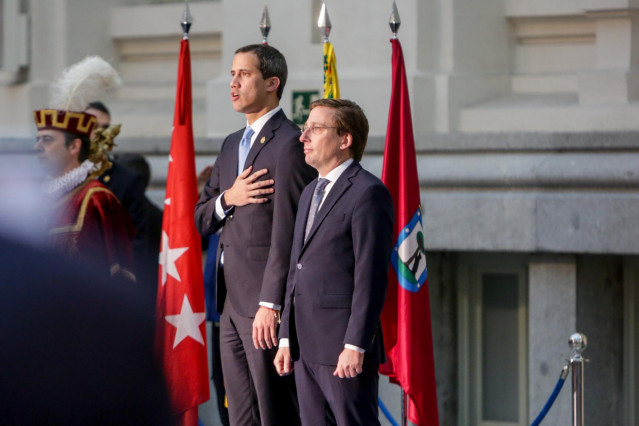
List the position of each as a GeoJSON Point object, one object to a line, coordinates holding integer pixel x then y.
{"type": "Point", "coordinates": [547, 113]}
{"type": "Point", "coordinates": [544, 83]}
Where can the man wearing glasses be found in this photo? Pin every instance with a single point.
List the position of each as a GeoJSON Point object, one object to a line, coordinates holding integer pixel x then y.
{"type": "Point", "coordinates": [338, 274]}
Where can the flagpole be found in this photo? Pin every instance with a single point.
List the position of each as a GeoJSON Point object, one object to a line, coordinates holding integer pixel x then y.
{"type": "Point", "coordinates": [394, 22]}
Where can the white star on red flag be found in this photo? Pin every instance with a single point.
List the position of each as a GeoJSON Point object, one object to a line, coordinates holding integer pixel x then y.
{"type": "Point", "coordinates": [187, 323]}
{"type": "Point", "coordinates": [168, 257]}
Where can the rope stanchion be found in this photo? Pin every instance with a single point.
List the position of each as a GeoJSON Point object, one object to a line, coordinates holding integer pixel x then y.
{"type": "Point", "coordinates": [553, 396]}
{"type": "Point", "coordinates": [387, 413]}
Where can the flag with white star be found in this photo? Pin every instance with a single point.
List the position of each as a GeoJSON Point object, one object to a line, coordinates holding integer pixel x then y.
{"type": "Point", "coordinates": [181, 327]}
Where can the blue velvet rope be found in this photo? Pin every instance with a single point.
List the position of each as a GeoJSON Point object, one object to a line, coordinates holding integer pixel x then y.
{"type": "Point", "coordinates": [387, 413]}
{"type": "Point", "coordinates": [553, 397]}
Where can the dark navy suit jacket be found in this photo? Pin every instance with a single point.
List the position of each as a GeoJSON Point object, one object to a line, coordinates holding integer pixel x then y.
{"type": "Point", "coordinates": [256, 238]}
{"type": "Point", "coordinates": [338, 278]}
{"type": "Point", "coordinates": [128, 186]}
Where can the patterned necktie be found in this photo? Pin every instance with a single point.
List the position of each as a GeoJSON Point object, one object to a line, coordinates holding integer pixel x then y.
{"type": "Point", "coordinates": [245, 147]}
{"type": "Point", "coordinates": [317, 199]}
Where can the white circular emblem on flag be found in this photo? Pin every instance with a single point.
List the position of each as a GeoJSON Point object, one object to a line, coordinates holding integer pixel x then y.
{"type": "Point", "coordinates": [409, 255]}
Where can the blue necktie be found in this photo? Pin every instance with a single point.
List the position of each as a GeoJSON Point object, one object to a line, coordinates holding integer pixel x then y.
{"type": "Point", "coordinates": [317, 200]}
{"type": "Point", "coordinates": [245, 147]}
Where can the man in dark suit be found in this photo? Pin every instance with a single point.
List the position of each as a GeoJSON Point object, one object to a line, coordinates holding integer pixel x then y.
{"type": "Point", "coordinates": [338, 274]}
{"type": "Point", "coordinates": [147, 254]}
{"type": "Point", "coordinates": [252, 193]}
{"type": "Point", "coordinates": [129, 188]}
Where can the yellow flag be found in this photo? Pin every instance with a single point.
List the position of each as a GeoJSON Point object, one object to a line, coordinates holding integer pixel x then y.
{"type": "Point", "coordinates": [331, 83]}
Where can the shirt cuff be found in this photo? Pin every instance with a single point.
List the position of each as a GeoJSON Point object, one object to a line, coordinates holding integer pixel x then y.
{"type": "Point", "coordinates": [354, 348]}
{"type": "Point", "coordinates": [271, 306]}
{"type": "Point", "coordinates": [220, 213]}
{"type": "Point", "coordinates": [284, 343]}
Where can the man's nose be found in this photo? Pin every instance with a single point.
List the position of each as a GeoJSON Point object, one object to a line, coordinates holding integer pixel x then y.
{"type": "Point", "coordinates": [304, 136]}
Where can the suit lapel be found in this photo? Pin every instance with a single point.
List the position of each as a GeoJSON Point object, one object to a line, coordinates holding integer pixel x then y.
{"type": "Point", "coordinates": [230, 164]}
{"type": "Point", "coordinates": [338, 190]}
{"type": "Point", "coordinates": [264, 137]}
{"type": "Point", "coordinates": [304, 206]}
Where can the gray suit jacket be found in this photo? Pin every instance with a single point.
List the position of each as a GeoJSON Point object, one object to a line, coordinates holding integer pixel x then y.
{"type": "Point", "coordinates": [338, 278]}
{"type": "Point", "coordinates": [256, 238]}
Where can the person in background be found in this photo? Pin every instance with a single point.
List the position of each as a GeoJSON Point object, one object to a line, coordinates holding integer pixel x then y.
{"type": "Point", "coordinates": [147, 261]}
{"type": "Point", "coordinates": [212, 314]}
{"type": "Point", "coordinates": [129, 188]}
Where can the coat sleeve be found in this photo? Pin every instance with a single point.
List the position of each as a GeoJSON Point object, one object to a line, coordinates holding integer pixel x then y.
{"type": "Point", "coordinates": [205, 219]}
{"type": "Point", "coordinates": [292, 174]}
{"type": "Point", "coordinates": [284, 331]}
{"type": "Point", "coordinates": [372, 233]}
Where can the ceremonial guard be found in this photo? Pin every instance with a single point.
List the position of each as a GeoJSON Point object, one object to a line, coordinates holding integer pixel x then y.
{"type": "Point", "coordinates": [86, 221]}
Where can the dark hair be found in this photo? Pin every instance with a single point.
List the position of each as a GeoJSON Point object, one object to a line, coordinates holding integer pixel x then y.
{"type": "Point", "coordinates": [349, 118]}
{"type": "Point", "coordinates": [99, 106]}
{"type": "Point", "coordinates": [85, 144]}
{"type": "Point", "coordinates": [271, 63]}
{"type": "Point", "coordinates": [137, 163]}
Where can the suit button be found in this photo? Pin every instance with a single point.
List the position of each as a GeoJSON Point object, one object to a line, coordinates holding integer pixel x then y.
{"type": "Point", "coordinates": [299, 266]}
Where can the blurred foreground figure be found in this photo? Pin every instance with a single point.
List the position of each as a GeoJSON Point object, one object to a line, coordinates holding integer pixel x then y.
{"type": "Point", "coordinates": [87, 221]}
{"type": "Point", "coordinates": [76, 348]}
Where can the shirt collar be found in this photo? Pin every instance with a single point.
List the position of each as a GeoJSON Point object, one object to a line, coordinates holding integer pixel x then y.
{"type": "Point", "coordinates": [260, 122]}
{"type": "Point", "coordinates": [334, 174]}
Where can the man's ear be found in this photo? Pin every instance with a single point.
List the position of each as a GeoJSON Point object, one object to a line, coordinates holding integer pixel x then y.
{"type": "Point", "coordinates": [347, 141]}
{"type": "Point", "coordinates": [273, 84]}
{"type": "Point", "coordinates": [74, 147]}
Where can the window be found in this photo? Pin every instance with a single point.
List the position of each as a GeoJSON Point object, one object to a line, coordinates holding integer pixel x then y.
{"type": "Point", "coordinates": [493, 342]}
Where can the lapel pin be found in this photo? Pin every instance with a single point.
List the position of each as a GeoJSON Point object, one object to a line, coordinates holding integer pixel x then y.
{"type": "Point", "coordinates": [263, 139]}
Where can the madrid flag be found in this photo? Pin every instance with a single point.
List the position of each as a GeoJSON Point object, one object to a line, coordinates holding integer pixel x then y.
{"type": "Point", "coordinates": [406, 317]}
{"type": "Point", "coordinates": [181, 329]}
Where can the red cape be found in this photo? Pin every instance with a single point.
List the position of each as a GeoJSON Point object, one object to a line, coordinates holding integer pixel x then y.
{"type": "Point", "coordinates": [90, 224]}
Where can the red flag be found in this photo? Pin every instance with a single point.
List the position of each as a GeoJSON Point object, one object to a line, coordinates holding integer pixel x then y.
{"type": "Point", "coordinates": [181, 326]}
{"type": "Point", "coordinates": [406, 317]}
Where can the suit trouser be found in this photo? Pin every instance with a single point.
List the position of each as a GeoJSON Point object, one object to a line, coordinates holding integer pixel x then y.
{"type": "Point", "coordinates": [328, 400]}
{"type": "Point", "coordinates": [256, 393]}
{"type": "Point", "coordinates": [217, 376]}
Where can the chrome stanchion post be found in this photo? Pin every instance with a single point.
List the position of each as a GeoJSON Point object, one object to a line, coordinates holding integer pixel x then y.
{"type": "Point", "coordinates": [404, 422]}
{"type": "Point", "coordinates": [578, 343]}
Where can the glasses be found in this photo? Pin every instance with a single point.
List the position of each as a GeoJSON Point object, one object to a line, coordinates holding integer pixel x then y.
{"type": "Point", "coordinates": [316, 129]}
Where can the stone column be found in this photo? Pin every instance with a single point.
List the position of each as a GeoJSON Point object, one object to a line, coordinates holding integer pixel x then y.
{"type": "Point", "coordinates": [552, 308]}
{"type": "Point", "coordinates": [615, 78]}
